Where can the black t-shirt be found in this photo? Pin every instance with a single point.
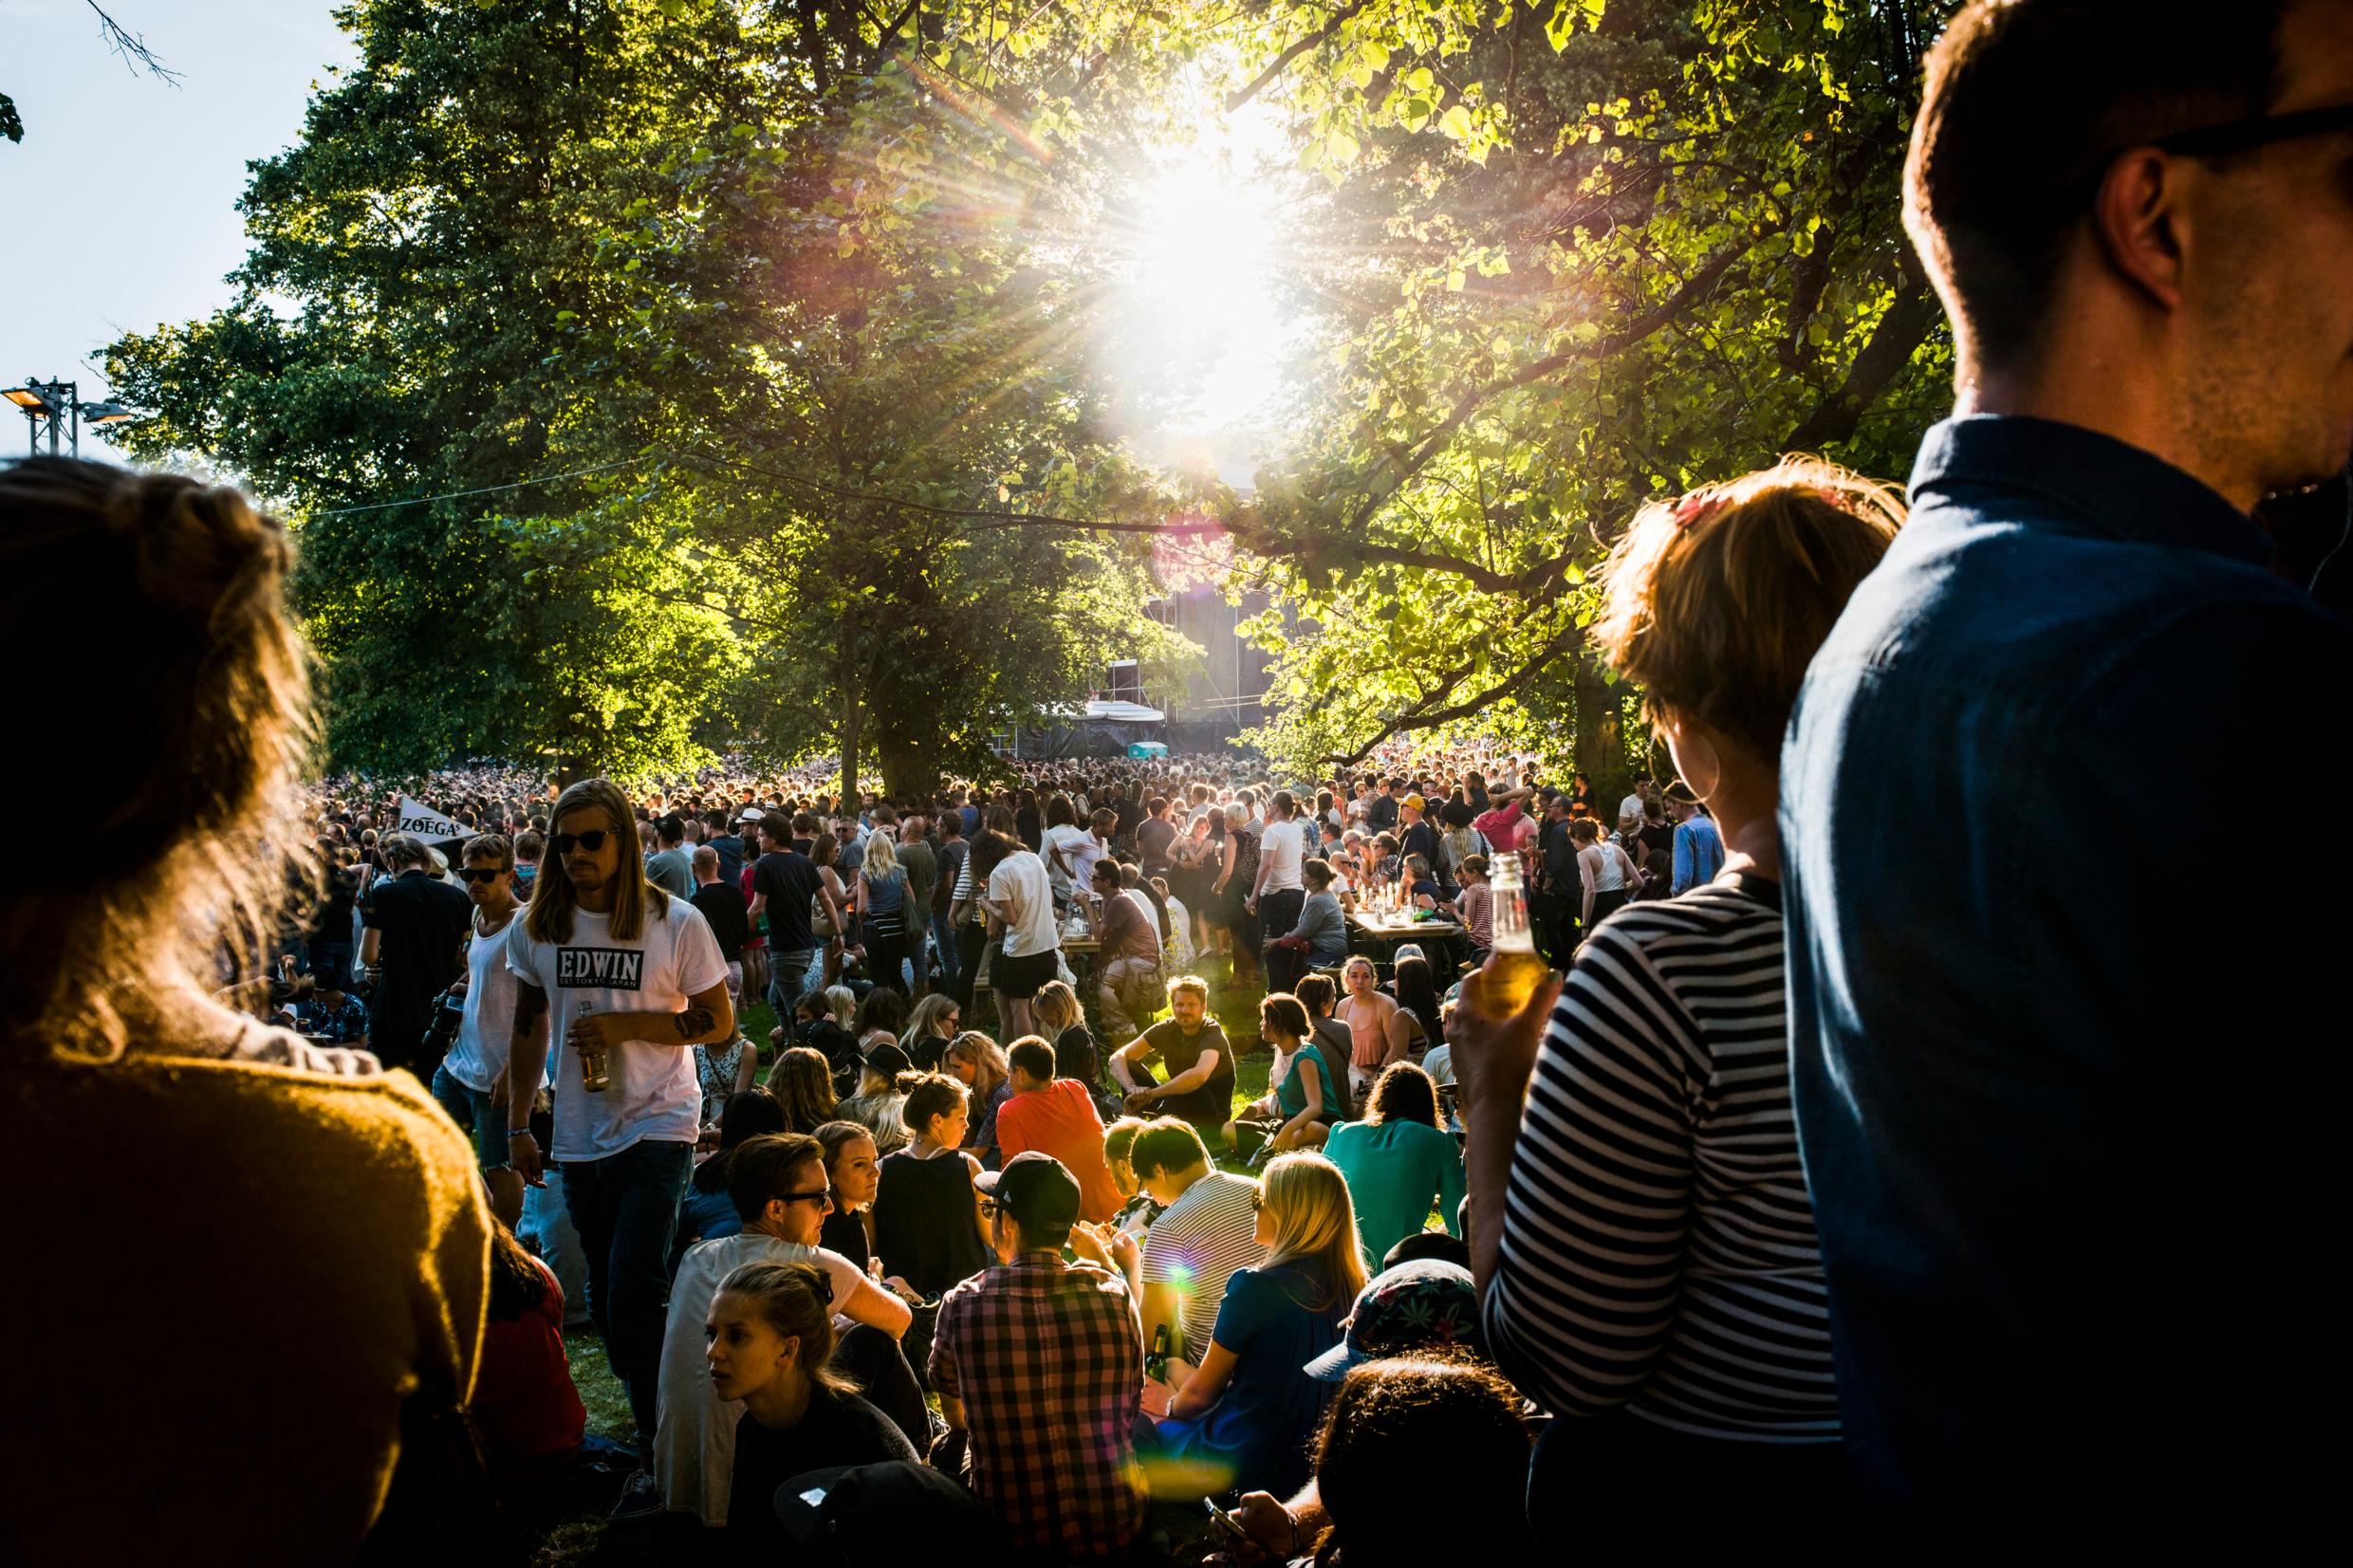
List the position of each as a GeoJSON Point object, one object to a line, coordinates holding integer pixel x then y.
{"type": "Point", "coordinates": [845, 1233]}
{"type": "Point", "coordinates": [1656, 835]}
{"type": "Point", "coordinates": [422, 921]}
{"type": "Point", "coordinates": [1213, 1101]}
{"type": "Point", "coordinates": [1075, 1056]}
{"type": "Point", "coordinates": [789, 879]}
{"type": "Point", "coordinates": [837, 1428]}
{"type": "Point", "coordinates": [723, 906]}
{"type": "Point", "coordinates": [1422, 839]}
{"type": "Point", "coordinates": [1152, 840]}
{"type": "Point", "coordinates": [1382, 814]}
{"type": "Point", "coordinates": [926, 1224]}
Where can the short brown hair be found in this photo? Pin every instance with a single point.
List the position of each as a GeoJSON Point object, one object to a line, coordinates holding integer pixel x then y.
{"type": "Point", "coordinates": [1716, 603]}
{"type": "Point", "coordinates": [2025, 103]}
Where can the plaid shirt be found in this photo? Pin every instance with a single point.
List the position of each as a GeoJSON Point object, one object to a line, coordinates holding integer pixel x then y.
{"type": "Point", "coordinates": [1047, 1358]}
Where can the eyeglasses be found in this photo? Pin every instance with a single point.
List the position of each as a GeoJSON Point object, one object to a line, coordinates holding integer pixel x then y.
{"type": "Point", "coordinates": [2219, 140]}
{"type": "Point", "coordinates": [814, 1195]}
{"type": "Point", "coordinates": [591, 840]}
{"type": "Point", "coordinates": [2240, 136]}
{"type": "Point", "coordinates": [479, 874]}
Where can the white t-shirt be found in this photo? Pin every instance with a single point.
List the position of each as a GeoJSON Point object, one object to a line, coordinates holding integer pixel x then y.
{"type": "Point", "coordinates": [694, 1435]}
{"type": "Point", "coordinates": [1281, 847]}
{"type": "Point", "coordinates": [1090, 850]}
{"type": "Point", "coordinates": [1630, 807]}
{"type": "Point", "coordinates": [479, 1055]}
{"type": "Point", "coordinates": [1018, 885]}
{"type": "Point", "coordinates": [654, 1093]}
{"type": "Point", "coordinates": [1074, 843]}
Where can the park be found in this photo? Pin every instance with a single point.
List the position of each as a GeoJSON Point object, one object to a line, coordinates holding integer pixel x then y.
{"type": "Point", "coordinates": [1166, 782]}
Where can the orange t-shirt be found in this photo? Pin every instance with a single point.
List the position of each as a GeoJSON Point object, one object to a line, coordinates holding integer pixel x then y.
{"type": "Point", "coordinates": [1061, 1120]}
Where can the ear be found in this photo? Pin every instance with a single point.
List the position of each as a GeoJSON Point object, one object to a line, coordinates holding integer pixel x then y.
{"type": "Point", "coordinates": [2138, 220]}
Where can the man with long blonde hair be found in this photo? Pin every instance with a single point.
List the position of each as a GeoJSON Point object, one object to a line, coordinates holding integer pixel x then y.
{"type": "Point", "coordinates": [632, 978]}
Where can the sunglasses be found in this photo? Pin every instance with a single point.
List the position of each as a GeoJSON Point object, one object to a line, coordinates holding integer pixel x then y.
{"type": "Point", "coordinates": [477, 873]}
{"type": "Point", "coordinates": [814, 1195]}
{"type": "Point", "coordinates": [591, 840]}
{"type": "Point", "coordinates": [2240, 136]}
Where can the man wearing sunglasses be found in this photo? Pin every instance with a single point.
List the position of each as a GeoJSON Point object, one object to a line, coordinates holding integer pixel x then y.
{"type": "Point", "coordinates": [471, 1083]}
{"type": "Point", "coordinates": [411, 927]}
{"type": "Point", "coordinates": [777, 1184]}
{"type": "Point", "coordinates": [2049, 1138]}
{"type": "Point", "coordinates": [628, 978]}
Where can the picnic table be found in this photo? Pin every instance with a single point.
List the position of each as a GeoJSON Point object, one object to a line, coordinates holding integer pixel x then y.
{"type": "Point", "coordinates": [1388, 933]}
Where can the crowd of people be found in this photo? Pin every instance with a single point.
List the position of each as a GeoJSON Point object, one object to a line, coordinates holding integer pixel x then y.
{"type": "Point", "coordinates": [1846, 1180]}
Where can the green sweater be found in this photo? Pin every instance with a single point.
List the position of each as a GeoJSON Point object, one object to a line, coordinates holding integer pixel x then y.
{"type": "Point", "coordinates": [1396, 1171]}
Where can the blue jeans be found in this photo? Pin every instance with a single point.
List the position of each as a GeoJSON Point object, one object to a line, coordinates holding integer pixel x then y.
{"type": "Point", "coordinates": [789, 980]}
{"type": "Point", "coordinates": [625, 1208]}
{"type": "Point", "coordinates": [944, 934]}
{"type": "Point", "coordinates": [475, 1116]}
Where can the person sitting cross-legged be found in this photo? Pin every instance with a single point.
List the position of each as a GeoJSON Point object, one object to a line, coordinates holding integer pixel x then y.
{"type": "Point", "coordinates": [1040, 1371]}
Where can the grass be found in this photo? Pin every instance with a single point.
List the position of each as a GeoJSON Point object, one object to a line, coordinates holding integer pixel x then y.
{"type": "Point", "coordinates": [589, 1541]}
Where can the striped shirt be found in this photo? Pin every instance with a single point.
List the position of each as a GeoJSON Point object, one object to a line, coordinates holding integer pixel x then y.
{"type": "Point", "coordinates": [1658, 1243]}
{"type": "Point", "coordinates": [1206, 1234]}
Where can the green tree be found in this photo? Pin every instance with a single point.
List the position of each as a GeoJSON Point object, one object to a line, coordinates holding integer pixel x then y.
{"type": "Point", "coordinates": [1588, 256]}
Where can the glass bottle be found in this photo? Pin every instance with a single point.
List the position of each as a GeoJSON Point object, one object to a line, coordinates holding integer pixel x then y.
{"type": "Point", "coordinates": [594, 1074]}
{"type": "Point", "coordinates": [1513, 972]}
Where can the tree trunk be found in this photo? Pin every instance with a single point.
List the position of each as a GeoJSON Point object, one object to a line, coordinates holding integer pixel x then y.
{"type": "Point", "coordinates": [1601, 736]}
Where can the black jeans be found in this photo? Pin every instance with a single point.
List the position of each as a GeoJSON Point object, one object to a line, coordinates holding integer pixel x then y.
{"type": "Point", "coordinates": [1278, 912]}
{"type": "Point", "coordinates": [625, 1208]}
{"type": "Point", "coordinates": [972, 941]}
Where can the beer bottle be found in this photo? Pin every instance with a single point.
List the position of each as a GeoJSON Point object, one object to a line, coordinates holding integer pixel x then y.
{"type": "Point", "coordinates": [1155, 1364]}
{"type": "Point", "coordinates": [1513, 972]}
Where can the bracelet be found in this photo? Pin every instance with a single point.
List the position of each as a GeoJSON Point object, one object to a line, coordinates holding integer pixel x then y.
{"type": "Point", "coordinates": [518, 1132]}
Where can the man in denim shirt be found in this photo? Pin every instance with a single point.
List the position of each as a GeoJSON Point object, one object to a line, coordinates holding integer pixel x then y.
{"type": "Point", "coordinates": [2051, 1031]}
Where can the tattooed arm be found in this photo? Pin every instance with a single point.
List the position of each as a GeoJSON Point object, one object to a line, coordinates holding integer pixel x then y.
{"type": "Point", "coordinates": [706, 1020]}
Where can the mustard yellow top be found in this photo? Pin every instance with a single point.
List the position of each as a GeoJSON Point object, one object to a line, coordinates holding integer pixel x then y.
{"type": "Point", "coordinates": [223, 1280]}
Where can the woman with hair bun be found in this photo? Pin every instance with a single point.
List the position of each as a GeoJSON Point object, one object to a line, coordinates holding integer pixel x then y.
{"type": "Point", "coordinates": [244, 1152]}
{"type": "Point", "coordinates": [1699, 1362]}
{"type": "Point", "coordinates": [770, 1331]}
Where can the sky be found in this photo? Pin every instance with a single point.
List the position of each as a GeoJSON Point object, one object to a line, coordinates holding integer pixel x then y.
{"type": "Point", "coordinates": [117, 210]}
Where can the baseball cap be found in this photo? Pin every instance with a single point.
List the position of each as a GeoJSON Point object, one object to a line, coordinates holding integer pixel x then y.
{"type": "Point", "coordinates": [832, 1513]}
{"type": "Point", "coordinates": [888, 1060]}
{"type": "Point", "coordinates": [1422, 1306]}
{"type": "Point", "coordinates": [1416, 803]}
{"type": "Point", "coordinates": [1036, 1189]}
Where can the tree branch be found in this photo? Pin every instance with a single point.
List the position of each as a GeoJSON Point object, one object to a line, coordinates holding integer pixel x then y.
{"type": "Point", "coordinates": [1281, 62]}
{"type": "Point", "coordinates": [1418, 717]}
{"type": "Point", "coordinates": [1903, 327]}
{"type": "Point", "coordinates": [1694, 290]}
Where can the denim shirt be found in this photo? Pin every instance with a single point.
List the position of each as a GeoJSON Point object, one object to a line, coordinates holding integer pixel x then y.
{"type": "Point", "coordinates": [2047, 1001]}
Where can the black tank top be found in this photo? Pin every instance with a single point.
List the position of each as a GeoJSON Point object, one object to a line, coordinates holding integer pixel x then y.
{"type": "Point", "coordinates": [925, 1230]}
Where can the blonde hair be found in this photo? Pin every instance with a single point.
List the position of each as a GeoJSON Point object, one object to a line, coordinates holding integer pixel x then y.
{"type": "Point", "coordinates": [880, 861]}
{"type": "Point", "coordinates": [843, 1004]}
{"type": "Point", "coordinates": [554, 899]}
{"type": "Point", "coordinates": [197, 835]}
{"type": "Point", "coordinates": [1716, 602]}
{"type": "Point", "coordinates": [1056, 1007]}
{"type": "Point", "coordinates": [987, 1058]}
{"type": "Point", "coordinates": [1314, 1225]}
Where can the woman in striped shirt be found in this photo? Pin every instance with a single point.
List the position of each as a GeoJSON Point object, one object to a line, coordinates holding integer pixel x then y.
{"type": "Point", "coordinates": [1642, 1230]}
